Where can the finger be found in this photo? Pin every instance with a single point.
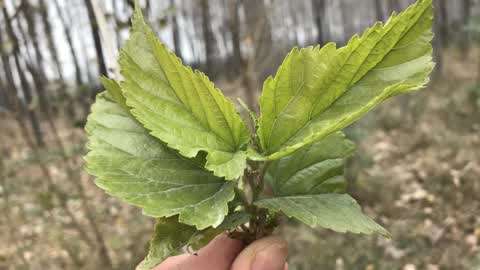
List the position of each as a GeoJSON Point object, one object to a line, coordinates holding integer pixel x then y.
{"type": "Point", "coordinates": [269, 253]}
{"type": "Point", "coordinates": [218, 255]}
{"type": "Point", "coordinates": [173, 262]}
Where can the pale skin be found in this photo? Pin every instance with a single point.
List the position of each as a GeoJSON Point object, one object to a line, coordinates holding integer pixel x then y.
{"type": "Point", "coordinates": [224, 253]}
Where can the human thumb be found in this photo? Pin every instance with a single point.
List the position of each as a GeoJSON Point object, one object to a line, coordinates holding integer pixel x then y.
{"type": "Point", "coordinates": [269, 253]}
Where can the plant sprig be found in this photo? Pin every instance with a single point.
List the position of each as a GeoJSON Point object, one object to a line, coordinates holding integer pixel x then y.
{"type": "Point", "coordinates": [167, 140]}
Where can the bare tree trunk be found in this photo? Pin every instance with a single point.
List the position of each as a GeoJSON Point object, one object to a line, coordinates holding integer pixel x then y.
{"type": "Point", "coordinates": [68, 35]}
{"type": "Point", "coordinates": [438, 41]}
{"type": "Point", "coordinates": [466, 16]}
{"type": "Point", "coordinates": [175, 33]}
{"type": "Point", "coordinates": [208, 37]}
{"type": "Point", "coordinates": [394, 5]}
{"type": "Point", "coordinates": [36, 71]}
{"type": "Point", "coordinates": [102, 68]}
{"type": "Point", "coordinates": [234, 26]}
{"type": "Point", "coordinates": [48, 31]}
{"type": "Point", "coordinates": [443, 20]}
{"type": "Point", "coordinates": [4, 102]}
{"type": "Point", "coordinates": [293, 15]}
{"type": "Point", "coordinates": [348, 24]}
{"type": "Point", "coordinates": [259, 31]}
{"type": "Point", "coordinates": [319, 17]}
{"type": "Point", "coordinates": [240, 66]}
{"type": "Point", "coordinates": [29, 13]}
{"type": "Point", "coordinates": [26, 91]}
{"type": "Point", "coordinates": [379, 10]}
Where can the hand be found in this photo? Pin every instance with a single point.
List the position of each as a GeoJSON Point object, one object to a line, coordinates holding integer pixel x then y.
{"type": "Point", "coordinates": [223, 253]}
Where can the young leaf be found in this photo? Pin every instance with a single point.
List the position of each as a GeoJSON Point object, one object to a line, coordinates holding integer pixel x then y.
{"type": "Point", "coordinates": [114, 92]}
{"type": "Point", "coordinates": [300, 181]}
{"type": "Point", "coordinates": [136, 167]}
{"type": "Point", "coordinates": [314, 169]}
{"type": "Point", "coordinates": [180, 106]}
{"type": "Point", "coordinates": [168, 238]}
{"type": "Point", "coordinates": [338, 212]}
{"type": "Point", "coordinates": [318, 91]}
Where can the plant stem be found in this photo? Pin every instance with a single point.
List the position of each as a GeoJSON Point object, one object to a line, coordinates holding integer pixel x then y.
{"type": "Point", "coordinates": [259, 225]}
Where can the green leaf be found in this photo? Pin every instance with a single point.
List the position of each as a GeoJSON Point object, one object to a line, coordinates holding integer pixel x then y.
{"type": "Point", "coordinates": [132, 165]}
{"type": "Point", "coordinates": [318, 91]}
{"type": "Point", "coordinates": [300, 181]}
{"type": "Point", "coordinates": [235, 219]}
{"type": "Point", "coordinates": [114, 92]}
{"type": "Point", "coordinates": [231, 222]}
{"type": "Point", "coordinates": [168, 238]}
{"type": "Point", "coordinates": [314, 169]}
{"type": "Point", "coordinates": [180, 106]}
{"type": "Point", "coordinates": [338, 212]}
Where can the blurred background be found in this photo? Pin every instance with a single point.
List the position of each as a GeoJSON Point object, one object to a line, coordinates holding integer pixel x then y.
{"type": "Point", "coordinates": [416, 172]}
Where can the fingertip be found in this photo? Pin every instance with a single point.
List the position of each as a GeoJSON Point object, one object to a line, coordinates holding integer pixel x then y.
{"type": "Point", "coordinates": [269, 253]}
{"type": "Point", "coordinates": [224, 244]}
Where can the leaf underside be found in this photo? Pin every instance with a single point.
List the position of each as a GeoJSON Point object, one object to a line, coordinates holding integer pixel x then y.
{"type": "Point", "coordinates": [314, 169]}
{"type": "Point", "coordinates": [132, 165]}
{"type": "Point", "coordinates": [318, 91]}
{"type": "Point", "coordinates": [180, 106]}
{"type": "Point", "coordinates": [170, 236]}
{"type": "Point", "coordinates": [338, 212]}
{"type": "Point", "coordinates": [305, 186]}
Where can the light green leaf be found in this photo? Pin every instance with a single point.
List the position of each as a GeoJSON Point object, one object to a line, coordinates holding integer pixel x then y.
{"type": "Point", "coordinates": [318, 91]}
{"type": "Point", "coordinates": [338, 212]}
{"type": "Point", "coordinates": [114, 92]}
{"type": "Point", "coordinates": [180, 106]}
{"type": "Point", "coordinates": [300, 181]}
{"type": "Point", "coordinates": [132, 165]}
{"type": "Point", "coordinates": [168, 238]}
{"type": "Point", "coordinates": [231, 222]}
{"type": "Point", "coordinates": [235, 219]}
{"type": "Point", "coordinates": [313, 169]}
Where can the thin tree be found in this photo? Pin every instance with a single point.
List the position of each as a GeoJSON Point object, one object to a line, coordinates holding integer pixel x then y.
{"type": "Point", "coordinates": [48, 32]}
{"type": "Point", "coordinates": [102, 68]}
{"type": "Point", "coordinates": [442, 19]}
{"type": "Point", "coordinates": [466, 17]}
{"type": "Point", "coordinates": [293, 15]}
{"type": "Point", "coordinates": [379, 10]}
{"type": "Point", "coordinates": [208, 37]}
{"type": "Point", "coordinates": [394, 5]}
{"type": "Point", "coordinates": [175, 33]}
{"type": "Point", "coordinates": [319, 19]}
{"type": "Point", "coordinates": [234, 27]}
{"type": "Point", "coordinates": [66, 26]}
{"type": "Point", "coordinates": [439, 39]}
{"type": "Point", "coordinates": [36, 70]}
{"type": "Point", "coordinates": [26, 92]}
{"type": "Point", "coordinates": [259, 31]}
{"type": "Point", "coordinates": [28, 13]}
